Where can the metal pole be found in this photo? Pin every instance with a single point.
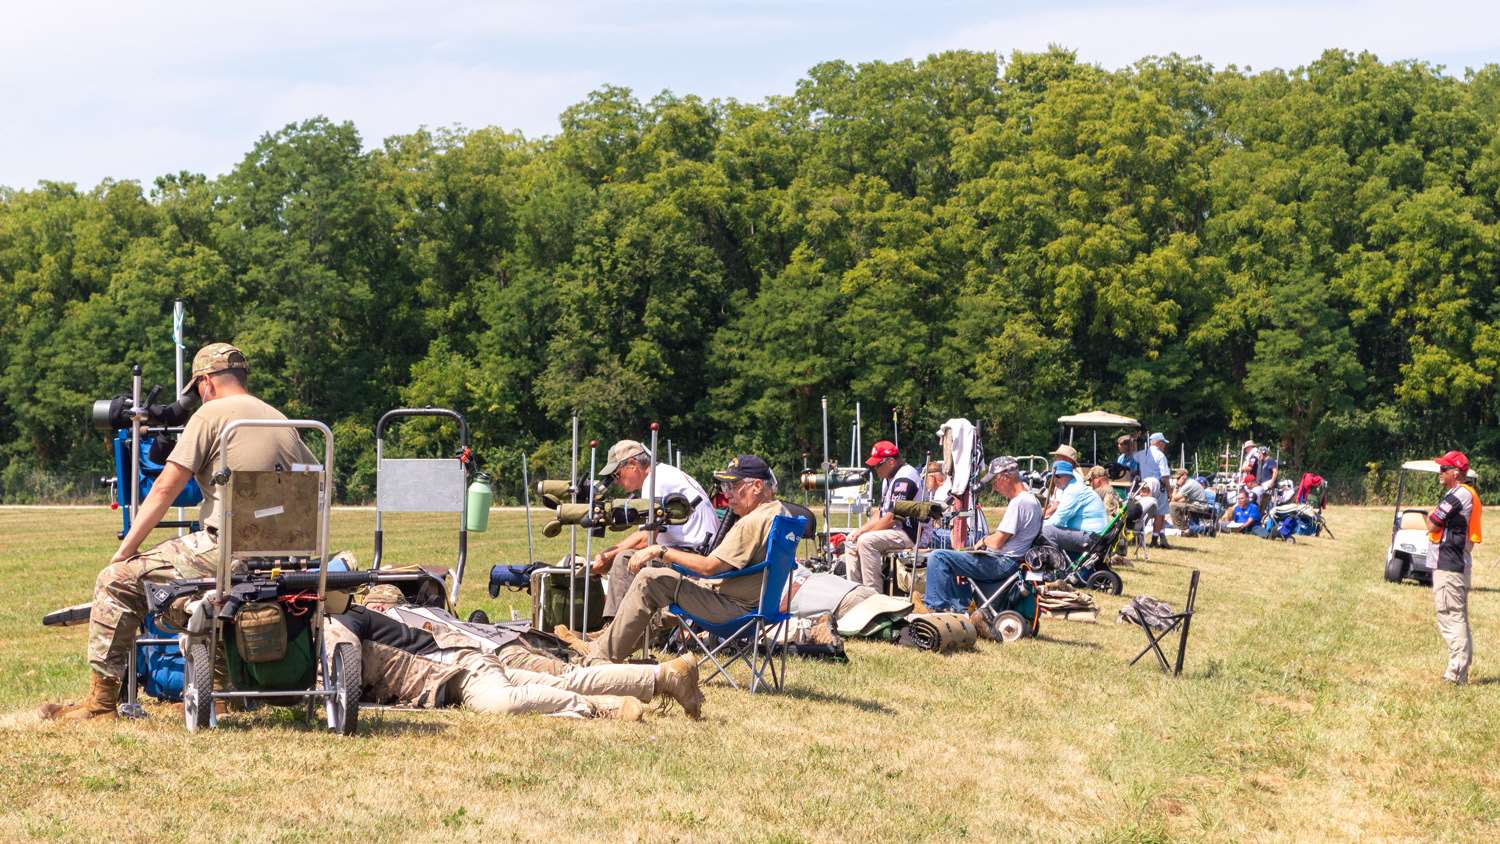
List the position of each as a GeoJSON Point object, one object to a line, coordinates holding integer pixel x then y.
{"type": "Point", "coordinates": [588, 539]}
{"type": "Point", "coordinates": [895, 428]}
{"type": "Point", "coordinates": [177, 317]}
{"type": "Point", "coordinates": [827, 493]}
{"type": "Point", "coordinates": [652, 503]}
{"type": "Point", "coordinates": [135, 442]}
{"type": "Point", "coordinates": [526, 497]}
{"type": "Point", "coordinates": [573, 529]}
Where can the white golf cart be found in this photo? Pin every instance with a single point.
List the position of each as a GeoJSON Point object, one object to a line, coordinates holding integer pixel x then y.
{"type": "Point", "coordinates": [1407, 555]}
{"type": "Point", "coordinates": [1075, 426]}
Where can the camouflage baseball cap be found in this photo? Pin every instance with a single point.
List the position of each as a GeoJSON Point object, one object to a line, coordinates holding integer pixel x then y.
{"type": "Point", "coordinates": [215, 357]}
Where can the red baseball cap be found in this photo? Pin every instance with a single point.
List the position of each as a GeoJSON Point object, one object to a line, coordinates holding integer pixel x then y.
{"type": "Point", "coordinates": [882, 450]}
{"type": "Point", "coordinates": [1455, 459]}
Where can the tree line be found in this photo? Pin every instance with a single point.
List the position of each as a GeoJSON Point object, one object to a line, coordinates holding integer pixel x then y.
{"type": "Point", "coordinates": [1307, 257]}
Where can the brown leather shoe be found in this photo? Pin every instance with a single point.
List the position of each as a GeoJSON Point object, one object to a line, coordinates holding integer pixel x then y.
{"type": "Point", "coordinates": [103, 697]}
{"type": "Point", "coordinates": [678, 680]}
{"type": "Point", "coordinates": [618, 708]}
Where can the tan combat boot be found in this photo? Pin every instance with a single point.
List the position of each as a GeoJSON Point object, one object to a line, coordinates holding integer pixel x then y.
{"type": "Point", "coordinates": [678, 680]}
{"type": "Point", "coordinates": [103, 697]}
{"type": "Point", "coordinates": [618, 708]}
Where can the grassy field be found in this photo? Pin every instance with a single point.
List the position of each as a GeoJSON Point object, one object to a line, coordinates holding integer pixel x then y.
{"type": "Point", "coordinates": [1311, 709]}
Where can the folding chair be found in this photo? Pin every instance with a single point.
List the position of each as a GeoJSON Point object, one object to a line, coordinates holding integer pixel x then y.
{"type": "Point", "coordinates": [739, 639]}
{"type": "Point", "coordinates": [1177, 621]}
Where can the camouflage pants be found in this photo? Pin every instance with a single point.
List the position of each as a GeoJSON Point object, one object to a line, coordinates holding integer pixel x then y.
{"type": "Point", "coordinates": [120, 595]}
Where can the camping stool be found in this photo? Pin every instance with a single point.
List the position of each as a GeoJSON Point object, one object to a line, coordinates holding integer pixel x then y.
{"type": "Point", "coordinates": [1182, 620]}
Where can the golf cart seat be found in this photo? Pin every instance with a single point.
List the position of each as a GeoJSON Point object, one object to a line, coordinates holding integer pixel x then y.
{"type": "Point", "coordinates": [1414, 520]}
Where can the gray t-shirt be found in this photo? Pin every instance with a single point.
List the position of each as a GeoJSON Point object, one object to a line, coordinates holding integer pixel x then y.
{"type": "Point", "coordinates": [1192, 492]}
{"type": "Point", "coordinates": [1023, 521]}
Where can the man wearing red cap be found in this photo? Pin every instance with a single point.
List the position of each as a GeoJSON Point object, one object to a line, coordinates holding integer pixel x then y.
{"type": "Point", "coordinates": [1454, 529]}
{"type": "Point", "coordinates": [864, 547]}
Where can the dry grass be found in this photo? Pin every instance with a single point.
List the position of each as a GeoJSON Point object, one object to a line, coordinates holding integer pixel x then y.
{"type": "Point", "coordinates": [1311, 710]}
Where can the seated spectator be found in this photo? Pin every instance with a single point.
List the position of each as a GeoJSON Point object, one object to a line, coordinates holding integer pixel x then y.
{"type": "Point", "coordinates": [1245, 516]}
{"type": "Point", "coordinates": [1079, 515]}
{"type": "Point", "coordinates": [933, 534]}
{"type": "Point", "coordinates": [998, 556]}
{"type": "Point", "coordinates": [1125, 443]}
{"type": "Point", "coordinates": [1098, 478]}
{"type": "Point", "coordinates": [1187, 495]}
{"type": "Point", "coordinates": [750, 488]}
{"type": "Point", "coordinates": [866, 545]}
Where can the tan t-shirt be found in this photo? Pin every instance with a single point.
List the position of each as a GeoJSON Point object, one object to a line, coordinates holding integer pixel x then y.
{"type": "Point", "coordinates": [745, 545]}
{"type": "Point", "coordinates": [250, 449]}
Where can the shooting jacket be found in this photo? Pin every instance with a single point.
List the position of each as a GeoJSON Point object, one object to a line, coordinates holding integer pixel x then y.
{"type": "Point", "coordinates": [398, 664]}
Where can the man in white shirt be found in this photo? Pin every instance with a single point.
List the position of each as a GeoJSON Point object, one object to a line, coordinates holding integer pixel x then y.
{"type": "Point", "coordinates": [629, 465]}
{"type": "Point", "coordinates": [1153, 464]}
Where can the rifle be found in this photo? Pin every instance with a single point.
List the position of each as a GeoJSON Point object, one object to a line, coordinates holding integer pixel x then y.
{"type": "Point", "coordinates": [246, 588]}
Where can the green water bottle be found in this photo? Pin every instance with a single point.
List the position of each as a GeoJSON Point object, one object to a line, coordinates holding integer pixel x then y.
{"type": "Point", "coordinates": [477, 508]}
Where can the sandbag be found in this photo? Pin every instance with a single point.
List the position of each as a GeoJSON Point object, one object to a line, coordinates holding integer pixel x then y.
{"type": "Point", "coordinates": [943, 632]}
{"type": "Point", "coordinates": [1061, 600]}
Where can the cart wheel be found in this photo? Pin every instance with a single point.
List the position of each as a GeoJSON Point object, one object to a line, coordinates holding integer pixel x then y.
{"type": "Point", "coordinates": [344, 680]}
{"type": "Point", "coordinates": [1395, 569]}
{"type": "Point", "coordinates": [1106, 581]}
{"type": "Point", "coordinates": [479, 617]}
{"type": "Point", "coordinates": [198, 684]}
{"type": "Point", "coordinates": [1009, 626]}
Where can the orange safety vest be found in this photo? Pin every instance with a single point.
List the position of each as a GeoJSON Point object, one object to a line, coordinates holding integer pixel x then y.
{"type": "Point", "coordinates": [1476, 535]}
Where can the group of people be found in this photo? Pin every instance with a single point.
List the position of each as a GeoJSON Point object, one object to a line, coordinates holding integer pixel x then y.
{"type": "Point", "coordinates": [427, 663]}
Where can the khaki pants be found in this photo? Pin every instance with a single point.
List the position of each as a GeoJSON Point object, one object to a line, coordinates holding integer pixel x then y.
{"type": "Point", "coordinates": [620, 579]}
{"type": "Point", "coordinates": [1450, 596]}
{"type": "Point", "coordinates": [518, 656]}
{"type": "Point", "coordinates": [489, 687]}
{"type": "Point", "coordinates": [862, 556]}
{"type": "Point", "coordinates": [120, 595]}
{"type": "Point", "coordinates": [656, 589]}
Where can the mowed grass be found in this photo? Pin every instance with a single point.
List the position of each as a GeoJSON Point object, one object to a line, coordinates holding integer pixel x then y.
{"type": "Point", "coordinates": [1311, 709]}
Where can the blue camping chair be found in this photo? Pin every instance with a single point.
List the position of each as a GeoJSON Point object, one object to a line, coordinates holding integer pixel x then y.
{"type": "Point", "coordinates": [740, 639]}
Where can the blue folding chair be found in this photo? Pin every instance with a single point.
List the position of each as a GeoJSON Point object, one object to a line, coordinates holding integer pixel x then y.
{"type": "Point", "coordinates": [740, 639]}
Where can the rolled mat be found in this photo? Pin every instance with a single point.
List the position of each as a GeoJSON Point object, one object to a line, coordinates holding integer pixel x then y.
{"type": "Point", "coordinates": [943, 632]}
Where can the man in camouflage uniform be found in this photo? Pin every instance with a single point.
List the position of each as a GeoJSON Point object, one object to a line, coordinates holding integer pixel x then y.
{"type": "Point", "coordinates": [219, 380]}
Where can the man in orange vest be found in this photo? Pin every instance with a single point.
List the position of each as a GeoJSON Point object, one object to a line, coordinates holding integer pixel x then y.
{"type": "Point", "coordinates": [1453, 530]}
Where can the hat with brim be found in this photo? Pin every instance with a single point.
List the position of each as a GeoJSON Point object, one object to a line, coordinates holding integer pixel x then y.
{"type": "Point", "coordinates": [858, 619]}
{"type": "Point", "coordinates": [1065, 452]}
{"type": "Point", "coordinates": [213, 359]}
{"type": "Point", "coordinates": [1159, 437]}
{"type": "Point", "coordinates": [619, 453]}
{"type": "Point", "coordinates": [998, 466]}
{"type": "Point", "coordinates": [745, 467]}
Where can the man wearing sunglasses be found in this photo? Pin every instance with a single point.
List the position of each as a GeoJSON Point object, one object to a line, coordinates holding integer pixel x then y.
{"type": "Point", "coordinates": [865, 546]}
{"type": "Point", "coordinates": [750, 488]}
{"type": "Point", "coordinates": [630, 466]}
{"type": "Point", "coordinates": [1454, 529]}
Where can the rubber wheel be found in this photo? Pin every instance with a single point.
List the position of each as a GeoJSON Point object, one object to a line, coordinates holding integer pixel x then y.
{"type": "Point", "coordinates": [1395, 569]}
{"type": "Point", "coordinates": [479, 617]}
{"type": "Point", "coordinates": [344, 679]}
{"type": "Point", "coordinates": [197, 687]}
{"type": "Point", "coordinates": [1009, 626]}
{"type": "Point", "coordinates": [1106, 581]}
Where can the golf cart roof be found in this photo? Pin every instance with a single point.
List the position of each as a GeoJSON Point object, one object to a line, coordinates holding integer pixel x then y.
{"type": "Point", "coordinates": [1427, 466]}
{"type": "Point", "coordinates": [1098, 419]}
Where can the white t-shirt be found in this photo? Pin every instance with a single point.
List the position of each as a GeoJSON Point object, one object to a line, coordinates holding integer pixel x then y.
{"type": "Point", "coordinates": [699, 528]}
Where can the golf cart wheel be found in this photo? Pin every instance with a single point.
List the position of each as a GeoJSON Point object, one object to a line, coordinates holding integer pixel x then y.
{"type": "Point", "coordinates": [479, 617]}
{"type": "Point", "coordinates": [1395, 569]}
{"type": "Point", "coordinates": [197, 689]}
{"type": "Point", "coordinates": [1009, 626]}
{"type": "Point", "coordinates": [344, 680]}
{"type": "Point", "coordinates": [1106, 581]}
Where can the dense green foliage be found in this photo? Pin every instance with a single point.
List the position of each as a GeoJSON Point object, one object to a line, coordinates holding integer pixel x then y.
{"type": "Point", "coordinates": [1310, 256]}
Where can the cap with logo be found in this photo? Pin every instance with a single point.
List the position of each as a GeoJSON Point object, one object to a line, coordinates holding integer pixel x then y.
{"type": "Point", "coordinates": [212, 359]}
{"type": "Point", "coordinates": [745, 467]}
{"type": "Point", "coordinates": [619, 453]}
{"type": "Point", "coordinates": [881, 451]}
{"type": "Point", "coordinates": [1455, 459]}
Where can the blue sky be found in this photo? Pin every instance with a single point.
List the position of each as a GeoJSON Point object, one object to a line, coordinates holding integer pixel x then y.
{"type": "Point", "coordinates": [130, 90]}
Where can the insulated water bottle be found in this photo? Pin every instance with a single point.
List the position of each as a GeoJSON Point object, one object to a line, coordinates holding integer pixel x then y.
{"type": "Point", "coordinates": [477, 508]}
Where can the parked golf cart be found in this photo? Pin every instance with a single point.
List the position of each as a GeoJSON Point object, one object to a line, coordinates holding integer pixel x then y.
{"type": "Point", "coordinates": [1090, 423]}
{"type": "Point", "coordinates": [1406, 557]}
